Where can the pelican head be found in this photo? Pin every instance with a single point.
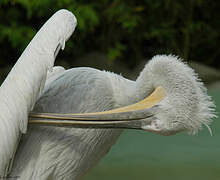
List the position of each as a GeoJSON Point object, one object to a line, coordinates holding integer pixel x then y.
{"type": "Point", "coordinates": [186, 105]}
{"type": "Point", "coordinates": [175, 100]}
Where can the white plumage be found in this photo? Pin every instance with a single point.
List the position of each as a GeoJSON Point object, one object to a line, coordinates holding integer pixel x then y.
{"type": "Point", "coordinates": [26, 80]}
{"type": "Point", "coordinates": [68, 153]}
{"type": "Point", "coordinates": [186, 105]}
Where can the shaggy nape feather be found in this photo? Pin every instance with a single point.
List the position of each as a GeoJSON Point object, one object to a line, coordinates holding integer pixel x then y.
{"type": "Point", "coordinates": [186, 105]}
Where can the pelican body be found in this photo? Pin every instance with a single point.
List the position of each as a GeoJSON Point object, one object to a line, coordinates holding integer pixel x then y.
{"type": "Point", "coordinates": [68, 153]}
{"type": "Point", "coordinates": [76, 115]}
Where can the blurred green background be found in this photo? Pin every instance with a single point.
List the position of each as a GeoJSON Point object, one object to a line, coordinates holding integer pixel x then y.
{"type": "Point", "coordinates": [126, 32]}
{"type": "Point", "coordinates": [121, 36]}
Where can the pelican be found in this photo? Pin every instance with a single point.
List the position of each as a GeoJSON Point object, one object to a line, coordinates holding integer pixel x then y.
{"type": "Point", "coordinates": [58, 124]}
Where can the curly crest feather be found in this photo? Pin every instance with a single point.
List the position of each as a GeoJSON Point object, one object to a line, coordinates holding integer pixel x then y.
{"type": "Point", "coordinates": [186, 105]}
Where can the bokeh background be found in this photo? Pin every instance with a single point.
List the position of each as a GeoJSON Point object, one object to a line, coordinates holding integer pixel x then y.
{"type": "Point", "coordinates": [121, 36]}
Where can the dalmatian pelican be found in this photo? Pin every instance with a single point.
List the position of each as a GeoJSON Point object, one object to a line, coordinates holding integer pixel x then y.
{"type": "Point", "coordinates": [58, 124]}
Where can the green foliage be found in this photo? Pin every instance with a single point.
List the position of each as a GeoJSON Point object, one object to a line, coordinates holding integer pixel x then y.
{"type": "Point", "coordinates": [115, 52]}
{"type": "Point", "coordinates": [87, 18]}
{"type": "Point", "coordinates": [127, 30]}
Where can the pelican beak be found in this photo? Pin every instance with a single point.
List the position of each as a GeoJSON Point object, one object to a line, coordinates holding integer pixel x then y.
{"type": "Point", "coordinates": [134, 116]}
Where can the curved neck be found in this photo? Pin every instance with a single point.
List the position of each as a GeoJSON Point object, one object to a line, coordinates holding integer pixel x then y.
{"type": "Point", "coordinates": [125, 91]}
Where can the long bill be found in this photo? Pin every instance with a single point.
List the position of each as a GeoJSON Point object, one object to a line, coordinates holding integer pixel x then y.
{"type": "Point", "coordinates": [132, 116]}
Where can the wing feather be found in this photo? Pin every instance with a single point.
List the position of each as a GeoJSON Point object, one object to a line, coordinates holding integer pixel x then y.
{"type": "Point", "coordinates": [26, 80]}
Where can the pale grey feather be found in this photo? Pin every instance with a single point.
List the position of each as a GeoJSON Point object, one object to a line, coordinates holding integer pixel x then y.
{"type": "Point", "coordinates": [67, 153]}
